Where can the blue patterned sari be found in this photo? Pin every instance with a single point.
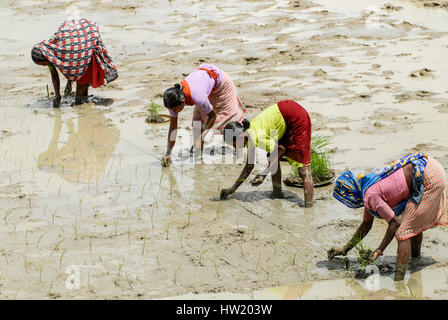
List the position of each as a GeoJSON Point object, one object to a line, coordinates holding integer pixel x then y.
{"type": "Point", "coordinates": [350, 188]}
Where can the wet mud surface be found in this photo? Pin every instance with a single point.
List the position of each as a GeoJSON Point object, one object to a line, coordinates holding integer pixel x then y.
{"type": "Point", "coordinates": [83, 187]}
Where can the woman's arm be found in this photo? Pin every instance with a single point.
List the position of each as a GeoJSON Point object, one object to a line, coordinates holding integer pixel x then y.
{"type": "Point", "coordinates": [56, 86]}
{"type": "Point", "coordinates": [360, 233]}
{"type": "Point", "coordinates": [244, 174]}
{"type": "Point", "coordinates": [394, 224]}
{"type": "Point", "coordinates": [172, 135]}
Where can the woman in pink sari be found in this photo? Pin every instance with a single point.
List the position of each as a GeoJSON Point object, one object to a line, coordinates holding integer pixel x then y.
{"type": "Point", "coordinates": [216, 102]}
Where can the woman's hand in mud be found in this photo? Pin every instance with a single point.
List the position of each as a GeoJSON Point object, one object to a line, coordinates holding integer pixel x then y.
{"type": "Point", "coordinates": [57, 102]}
{"type": "Point", "coordinates": [374, 255]}
{"type": "Point", "coordinates": [225, 193]}
{"type": "Point", "coordinates": [333, 252]}
{"type": "Point", "coordinates": [259, 179]}
{"type": "Point", "coordinates": [166, 160]}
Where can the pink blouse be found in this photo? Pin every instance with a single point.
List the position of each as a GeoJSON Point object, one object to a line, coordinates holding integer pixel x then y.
{"type": "Point", "coordinates": [386, 194]}
{"type": "Point", "coordinates": [201, 85]}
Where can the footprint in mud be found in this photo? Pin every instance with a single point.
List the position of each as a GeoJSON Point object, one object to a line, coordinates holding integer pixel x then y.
{"type": "Point", "coordinates": [413, 95]}
{"type": "Point", "coordinates": [391, 7]}
{"type": "Point", "coordinates": [425, 72]}
{"type": "Point", "coordinates": [432, 4]}
{"type": "Point", "coordinates": [68, 101]}
{"type": "Point", "coordinates": [443, 108]}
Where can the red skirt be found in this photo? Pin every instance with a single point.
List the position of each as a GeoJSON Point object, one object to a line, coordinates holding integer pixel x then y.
{"type": "Point", "coordinates": [94, 75]}
{"type": "Point", "coordinates": [297, 138]}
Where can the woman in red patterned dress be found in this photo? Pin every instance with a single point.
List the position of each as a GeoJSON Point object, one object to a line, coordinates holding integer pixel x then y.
{"type": "Point", "coordinates": [76, 49]}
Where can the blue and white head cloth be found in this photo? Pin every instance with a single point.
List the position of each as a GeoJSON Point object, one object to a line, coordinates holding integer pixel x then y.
{"type": "Point", "coordinates": [351, 187]}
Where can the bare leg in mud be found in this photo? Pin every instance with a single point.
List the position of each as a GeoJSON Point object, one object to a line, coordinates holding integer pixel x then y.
{"type": "Point", "coordinates": [68, 88]}
{"type": "Point", "coordinates": [403, 254]}
{"type": "Point", "coordinates": [275, 170]}
{"type": "Point", "coordinates": [416, 245]}
{"type": "Point", "coordinates": [308, 191]}
{"type": "Point", "coordinates": [277, 182]}
{"type": "Point", "coordinates": [80, 93]}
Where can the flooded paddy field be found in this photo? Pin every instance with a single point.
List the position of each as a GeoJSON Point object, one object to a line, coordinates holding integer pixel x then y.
{"type": "Point", "coordinates": [82, 191]}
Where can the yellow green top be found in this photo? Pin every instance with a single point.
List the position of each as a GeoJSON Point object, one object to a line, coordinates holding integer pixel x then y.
{"type": "Point", "coordinates": [267, 128]}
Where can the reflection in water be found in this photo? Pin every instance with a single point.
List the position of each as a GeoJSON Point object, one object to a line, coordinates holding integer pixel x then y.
{"type": "Point", "coordinates": [85, 153]}
{"type": "Point", "coordinates": [419, 285]}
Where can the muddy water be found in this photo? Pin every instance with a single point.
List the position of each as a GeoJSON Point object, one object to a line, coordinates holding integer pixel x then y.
{"type": "Point", "coordinates": [82, 187]}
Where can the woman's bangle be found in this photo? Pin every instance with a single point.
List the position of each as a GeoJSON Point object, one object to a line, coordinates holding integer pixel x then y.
{"type": "Point", "coordinates": [380, 252]}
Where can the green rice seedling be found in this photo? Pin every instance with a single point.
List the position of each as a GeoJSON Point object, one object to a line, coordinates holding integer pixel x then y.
{"type": "Point", "coordinates": [320, 166]}
{"type": "Point", "coordinates": [143, 188]}
{"type": "Point", "coordinates": [240, 244]}
{"type": "Point", "coordinates": [90, 243]}
{"type": "Point", "coordinates": [258, 261]}
{"type": "Point", "coordinates": [201, 256]}
{"type": "Point", "coordinates": [168, 230]}
{"type": "Point", "coordinates": [254, 228]}
{"type": "Point", "coordinates": [318, 143]}
{"type": "Point", "coordinates": [412, 294]}
{"type": "Point", "coordinates": [189, 209]}
{"type": "Point", "coordinates": [274, 244]}
{"type": "Point", "coordinates": [56, 247]}
{"type": "Point", "coordinates": [216, 269]}
{"type": "Point", "coordinates": [92, 140]}
{"type": "Point", "coordinates": [144, 245]}
{"type": "Point", "coordinates": [218, 208]}
{"type": "Point", "coordinates": [26, 236]}
{"type": "Point", "coordinates": [120, 266]}
{"type": "Point", "coordinates": [41, 269]}
{"type": "Point", "coordinates": [154, 108]}
{"type": "Point", "coordinates": [129, 236]}
{"type": "Point", "coordinates": [152, 218]}
{"type": "Point", "coordinates": [129, 281]}
{"type": "Point", "coordinates": [180, 239]}
{"type": "Point", "coordinates": [138, 212]}
{"type": "Point", "coordinates": [158, 262]}
{"type": "Point", "coordinates": [75, 228]}
{"type": "Point", "coordinates": [26, 263]}
{"type": "Point", "coordinates": [62, 257]}
{"type": "Point", "coordinates": [8, 212]}
{"type": "Point", "coordinates": [5, 254]}
{"type": "Point", "coordinates": [176, 273]}
{"type": "Point", "coordinates": [115, 226]}
{"type": "Point", "coordinates": [294, 259]}
{"type": "Point", "coordinates": [320, 163]}
{"type": "Point", "coordinates": [89, 285]}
